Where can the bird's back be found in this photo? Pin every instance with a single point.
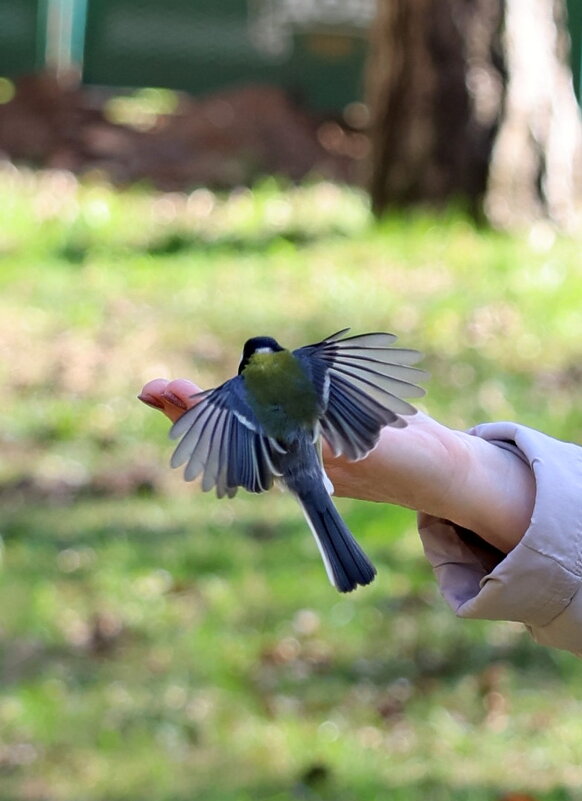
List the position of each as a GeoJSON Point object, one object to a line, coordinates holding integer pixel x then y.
{"type": "Point", "coordinates": [280, 394]}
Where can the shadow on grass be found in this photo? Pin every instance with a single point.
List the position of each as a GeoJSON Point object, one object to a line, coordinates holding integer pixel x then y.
{"type": "Point", "coordinates": [180, 242]}
{"type": "Point", "coordinates": [75, 250]}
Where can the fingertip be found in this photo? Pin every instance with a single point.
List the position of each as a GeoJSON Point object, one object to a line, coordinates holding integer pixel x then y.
{"type": "Point", "coordinates": [151, 393]}
{"type": "Point", "coordinates": [154, 388]}
{"type": "Point", "coordinates": [182, 390]}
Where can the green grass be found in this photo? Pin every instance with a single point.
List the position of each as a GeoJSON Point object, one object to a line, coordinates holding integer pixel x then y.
{"type": "Point", "coordinates": [160, 645]}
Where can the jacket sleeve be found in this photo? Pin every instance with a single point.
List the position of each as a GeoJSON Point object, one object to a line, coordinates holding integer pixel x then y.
{"type": "Point", "coordinates": [538, 583]}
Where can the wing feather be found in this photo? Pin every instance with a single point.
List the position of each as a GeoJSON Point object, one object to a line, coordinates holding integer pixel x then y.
{"type": "Point", "coordinates": [212, 464]}
{"type": "Point", "coordinates": [361, 382]}
{"type": "Point", "coordinates": [222, 488]}
{"type": "Point", "coordinates": [202, 450]}
{"type": "Point", "coordinates": [198, 421]}
{"type": "Point", "coordinates": [383, 355]}
{"type": "Point", "coordinates": [372, 388]}
{"type": "Point", "coordinates": [222, 440]}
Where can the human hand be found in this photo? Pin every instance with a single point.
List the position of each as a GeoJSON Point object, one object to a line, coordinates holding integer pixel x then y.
{"type": "Point", "coordinates": [425, 466]}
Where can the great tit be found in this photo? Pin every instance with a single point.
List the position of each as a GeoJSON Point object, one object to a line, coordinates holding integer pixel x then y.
{"type": "Point", "coordinates": [266, 424]}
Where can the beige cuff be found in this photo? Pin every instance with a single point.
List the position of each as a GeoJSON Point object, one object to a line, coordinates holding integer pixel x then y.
{"type": "Point", "coordinates": [538, 582]}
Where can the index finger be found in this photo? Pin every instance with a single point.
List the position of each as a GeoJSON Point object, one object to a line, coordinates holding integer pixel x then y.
{"type": "Point", "coordinates": [172, 398]}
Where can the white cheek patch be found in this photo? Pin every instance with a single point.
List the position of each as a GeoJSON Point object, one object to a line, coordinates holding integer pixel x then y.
{"type": "Point", "coordinates": [265, 350]}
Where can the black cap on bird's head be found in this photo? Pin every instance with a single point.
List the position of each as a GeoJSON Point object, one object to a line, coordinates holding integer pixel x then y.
{"type": "Point", "coordinates": [257, 345]}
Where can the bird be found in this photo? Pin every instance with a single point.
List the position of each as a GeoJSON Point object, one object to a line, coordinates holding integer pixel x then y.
{"type": "Point", "coordinates": [265, 425]}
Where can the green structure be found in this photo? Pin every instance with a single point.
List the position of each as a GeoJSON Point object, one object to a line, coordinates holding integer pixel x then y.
{"type": "Point", "coordinates": [23, 25]}
{"type": "Point", "coordinates": [314, 51]}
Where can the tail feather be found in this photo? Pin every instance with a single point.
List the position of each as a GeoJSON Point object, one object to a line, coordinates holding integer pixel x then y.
{"type": "Point", "coordinates": [346, 564]}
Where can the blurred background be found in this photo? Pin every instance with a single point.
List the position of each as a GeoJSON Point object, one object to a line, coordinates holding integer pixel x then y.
{"type": "Point", "coordinates": [174, 179]}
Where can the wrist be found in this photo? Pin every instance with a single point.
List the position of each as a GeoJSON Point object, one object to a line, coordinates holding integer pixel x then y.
{"type": "Point", "coordinates": [494, 497]}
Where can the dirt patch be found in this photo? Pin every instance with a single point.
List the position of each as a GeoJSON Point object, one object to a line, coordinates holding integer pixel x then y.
{"type": "Point", "coordinates": [224, 140]}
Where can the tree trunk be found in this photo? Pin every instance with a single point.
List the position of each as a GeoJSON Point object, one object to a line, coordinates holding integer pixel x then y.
{"type": "Point", "coordinates": [472, 100]}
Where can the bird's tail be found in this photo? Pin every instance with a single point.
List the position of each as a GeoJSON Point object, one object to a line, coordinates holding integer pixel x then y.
{"type": "Point", "coordinates": [346, 563]}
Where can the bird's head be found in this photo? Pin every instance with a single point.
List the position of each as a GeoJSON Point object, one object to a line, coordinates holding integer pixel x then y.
{"type": "Point", "coordinates": [257, 345]}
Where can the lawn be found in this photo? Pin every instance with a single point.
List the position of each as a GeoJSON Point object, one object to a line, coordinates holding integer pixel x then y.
{"type": "Point", "coordinates": [157, 644]}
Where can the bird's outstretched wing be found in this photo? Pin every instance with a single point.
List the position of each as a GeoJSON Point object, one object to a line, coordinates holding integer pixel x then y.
{"type": "Point", "coordinates": [223, 440]}
{"type": "Point", "coordinates": [360, 381]}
